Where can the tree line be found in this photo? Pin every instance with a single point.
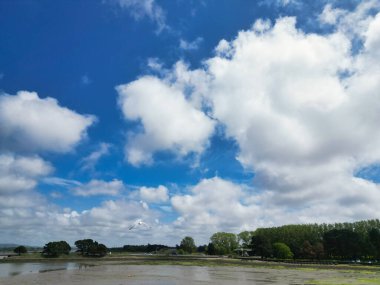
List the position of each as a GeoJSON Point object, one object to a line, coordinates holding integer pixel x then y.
{"type": "Point", "coordinates": [85, 247]}
{"type": "Point", "coordinates": [316, 241]}
{"type": "Point", "coordinates": [140, 248]}
{"type": "Point", "coordinates": [339, 241]}
{"type": "Point", "coordinates": [358, 240]}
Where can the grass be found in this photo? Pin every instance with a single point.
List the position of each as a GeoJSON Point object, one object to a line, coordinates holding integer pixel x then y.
{"type": "Point", "coordinates": [344, 281]}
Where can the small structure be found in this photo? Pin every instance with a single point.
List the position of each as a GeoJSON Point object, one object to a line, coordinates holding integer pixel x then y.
{"type": "Point", "coordinates": [243, 251]}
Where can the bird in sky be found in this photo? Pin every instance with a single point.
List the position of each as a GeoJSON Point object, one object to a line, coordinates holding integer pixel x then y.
{"type": "Point", "coordinates": [138, 224]}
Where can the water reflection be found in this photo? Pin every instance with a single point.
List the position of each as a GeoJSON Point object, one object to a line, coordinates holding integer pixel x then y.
{"type": "Point", "coordinates": [14, 269]}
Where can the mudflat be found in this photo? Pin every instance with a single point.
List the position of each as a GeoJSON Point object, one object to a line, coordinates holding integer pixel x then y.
{"type": "Point", "coordinates": [121, 274]}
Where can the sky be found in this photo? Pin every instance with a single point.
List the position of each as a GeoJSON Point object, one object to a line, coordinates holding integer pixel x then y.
{"type": "Point", "coordinates": [191, 116]}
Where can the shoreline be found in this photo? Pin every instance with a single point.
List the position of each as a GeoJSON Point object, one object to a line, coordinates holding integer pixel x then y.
{"type": "Point", "coordinates": [206, 261]}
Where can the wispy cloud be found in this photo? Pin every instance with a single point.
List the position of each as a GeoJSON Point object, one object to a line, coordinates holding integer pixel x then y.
{"type": "Point", "coordinates": [57, 181]}
{"type": "Point", "coordinates": [139, 9]}
{"type": "Point", "coordinates": [194, 45]}
{"type": "Point", "coordinates": [89, 162]}
{"type": "Point", "coordinates": [86, 80]}
{"type": "Point", "coordinates": [99, 187]}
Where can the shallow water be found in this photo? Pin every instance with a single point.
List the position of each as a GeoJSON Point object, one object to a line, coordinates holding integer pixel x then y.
{"type": "Point", "coordinates": [14, 269]}
{"type": "Point", "coordinates": [121, 274]}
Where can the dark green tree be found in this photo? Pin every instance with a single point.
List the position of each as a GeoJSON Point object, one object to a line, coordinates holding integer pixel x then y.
{"type": "Point", "coordinates": [374, 239]}
{"type": "Point", "coordinates": [88, 247]}
{"type": "Point", "coordinates": [84, 245]}
{"type": "Point", "coordinates": [342, 244]}
{"type": "Point", "coordinates": [56, 248]}
{"type": "Point", "coordinates": [202, 248]}
{"type": "Point", "coordinates": [211, 249]}
{"type": "Point", "coordinates": [188, 245]}
{"type": "Point", "coordinates": [20, 249]}
{"type": "Point", "coordinates": [261, 246]}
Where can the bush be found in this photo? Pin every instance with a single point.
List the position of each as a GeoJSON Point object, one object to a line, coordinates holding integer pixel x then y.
{"type": "Point", "coordinates": [282, 251]}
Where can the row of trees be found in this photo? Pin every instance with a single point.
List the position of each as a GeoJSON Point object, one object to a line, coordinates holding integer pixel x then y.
{"type": "Point", "coordinates": [140, 248]}
{"type": "Point", "coordinates": [315, 241]}
{"type": "Point", "coordinates": [86, 247]}
{"type": "Point", "coordinates": [331, 241]}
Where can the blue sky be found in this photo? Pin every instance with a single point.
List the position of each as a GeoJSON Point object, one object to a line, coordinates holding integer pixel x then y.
{"type": "Point", "coordinates": [192, 116]}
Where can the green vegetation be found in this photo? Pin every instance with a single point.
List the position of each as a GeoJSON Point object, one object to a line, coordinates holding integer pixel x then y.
{"type": "Point", "coordinates": [88, 247]}
{"type": "Point", "coordinates": [347, 242]}
{"type": "Point", "coordinates": [282, 251]}
{"type": "Point", "coordinates": [140, 248]}
{"type": "Point", "coordinates": [245, 238]}
{"type": "Point", "coordinates": [188, 245]}
{"type": "Point", "coordinates": [340, 241]}
{"type": "Point", "coordinates": [56, 248]}
{"type": "Point", "coordinates": [224, 243]}
{"type": "Point", "coordinates": [20, 249]}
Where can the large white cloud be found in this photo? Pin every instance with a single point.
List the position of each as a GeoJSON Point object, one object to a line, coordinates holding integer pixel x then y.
{"type": "Point", "coordinates": [300, 125]}
{"type": "Point", "coordinates": [170, 122]}
{"type": "Point", "coordinates": [38, 222]}
{"type": "Point", "coordinates": [29, 123]}
{"type": "Point", "coordinates": [214, 205]}
{"type": "Point", "coordinates": [304, 109]}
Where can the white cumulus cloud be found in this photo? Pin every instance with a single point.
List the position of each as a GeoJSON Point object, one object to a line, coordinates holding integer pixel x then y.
{"type": "Point", "coordinates": [29, 123]}
{"type": "Point", "coordinates": [18, 173]}
{"type": "Point", "coordinates": [214, 205]}
{"type": "Point", "coordinates": [170, 122]}
{"type": "Point", "coordinates": [304, 111]}
{"type": "Point", "coordinates": [154, 195]}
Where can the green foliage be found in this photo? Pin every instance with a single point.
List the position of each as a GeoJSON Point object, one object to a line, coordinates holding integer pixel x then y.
{"type": "Point", "coordinates": [140, 248]}
{"type": "Point", "coordinates": [374, 239]}
{"type": "Point", "coordinates": [261, 246]}
{"type": "Point", "coordinates": [245, 238]}
{"type": "Point", "coordinates": [20, 249]}
{"type": "Point", "coordinates": [343, 243]}
{"type": "Point", "coordinates": [188, 245]}
{"type": "Point", "coordinates": [356, 240]}
{"type": "Point", "coordinates": [224, 243]}
{"type": "Point", "coordinates": [88, 247]}
{"type": "Point", "coordinates": [202, 248]}
{"type": "Point", "coordinates": [211, 249]}
{"type": "Point", "coordinates": [281, 250]}
{"type": "Point", "coordinates": [180, 251]}
{"type": "Point", "coordinates": [319, 250]}
{"type": "Point", "coordinates": [56, 248]}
